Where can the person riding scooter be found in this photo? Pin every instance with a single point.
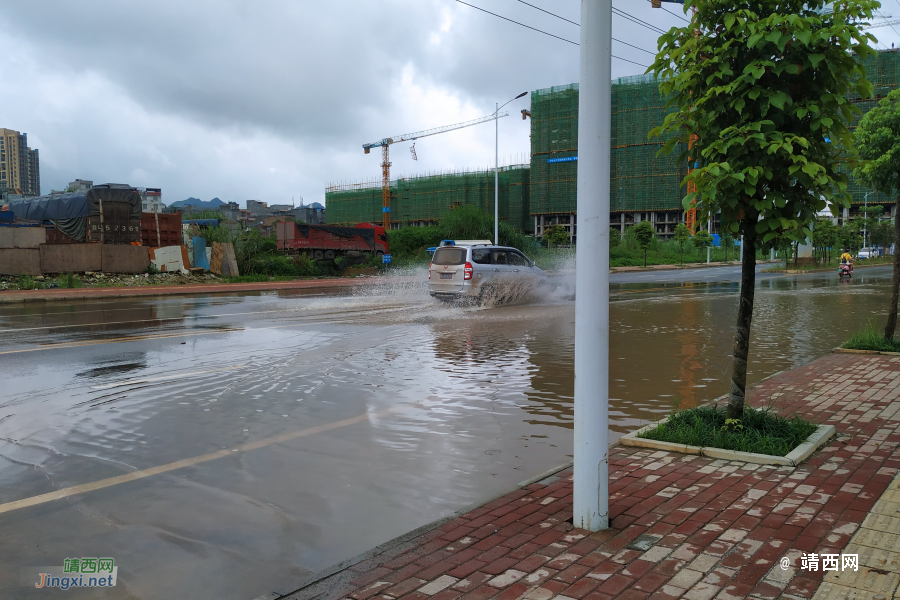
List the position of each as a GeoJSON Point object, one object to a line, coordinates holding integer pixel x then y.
{"type": "Point", "coordinates": [847, 259]}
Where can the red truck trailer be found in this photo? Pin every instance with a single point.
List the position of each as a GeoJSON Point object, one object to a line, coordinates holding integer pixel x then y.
{"type": "Point", "coordinates": [325, 241]}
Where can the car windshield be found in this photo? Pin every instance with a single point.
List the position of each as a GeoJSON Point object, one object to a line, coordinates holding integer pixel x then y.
{"type": "Point", "coordinates": [449, 256]}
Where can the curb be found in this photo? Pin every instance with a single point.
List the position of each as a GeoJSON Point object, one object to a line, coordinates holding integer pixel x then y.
{"type": "Point", "coordinates": [822, 434]}
{"type": "Point", "coordinates": [381, 548]}
{"type": "Point", "coordinates": [17, 296]}
{"type": "Point", "coordinates": [852, 351]}
{"type": "Point", "coordinates": [651, 269]}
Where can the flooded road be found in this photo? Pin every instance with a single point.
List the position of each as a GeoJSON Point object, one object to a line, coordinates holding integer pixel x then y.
{"type": "Point", "coordinates": [228, 446]}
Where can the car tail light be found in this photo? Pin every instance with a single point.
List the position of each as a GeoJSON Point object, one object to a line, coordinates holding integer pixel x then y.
{"type": "Point", "coordinates": [468, 271]}
{"type": "Point", "coordinates": [430, 267]}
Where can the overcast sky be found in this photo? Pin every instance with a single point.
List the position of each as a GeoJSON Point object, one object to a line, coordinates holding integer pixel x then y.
{"type": "Point", "coordinates": [272, 100]}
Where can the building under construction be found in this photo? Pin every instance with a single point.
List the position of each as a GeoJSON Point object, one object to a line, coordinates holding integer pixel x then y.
{"type": "Point", "coordinates": [643, 186]}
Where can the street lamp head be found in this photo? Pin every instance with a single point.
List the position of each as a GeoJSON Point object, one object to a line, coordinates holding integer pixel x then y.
{"type": "Point", "coordinates": [523, 94]}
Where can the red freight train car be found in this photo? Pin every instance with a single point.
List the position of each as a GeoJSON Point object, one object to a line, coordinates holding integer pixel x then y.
{"type": "Point", "coordinates": [325, 241]}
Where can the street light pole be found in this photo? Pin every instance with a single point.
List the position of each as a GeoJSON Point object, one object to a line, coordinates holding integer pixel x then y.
{"type": "Point", "coordinates": [497, 169]}
{"type": "Point", "coordinates": [865, 216]}
{"type": "Point", "coordinates": [590, 500]}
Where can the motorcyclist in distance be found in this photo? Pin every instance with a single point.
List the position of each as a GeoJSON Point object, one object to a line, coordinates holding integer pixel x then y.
{"type": "Point", "coordinates": [847, 259]}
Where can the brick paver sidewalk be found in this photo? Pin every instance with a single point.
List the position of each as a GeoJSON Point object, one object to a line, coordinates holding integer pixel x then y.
{"type": "Point", "coordinates": [682, 526]}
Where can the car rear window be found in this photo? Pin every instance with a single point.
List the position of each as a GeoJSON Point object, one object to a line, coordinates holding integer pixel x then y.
{"type": "Point", "coordinates": [449, 256]}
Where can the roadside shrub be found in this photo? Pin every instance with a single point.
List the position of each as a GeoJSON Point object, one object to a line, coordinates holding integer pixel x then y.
{"type": "Point", "coordinates": [870, 339]}
{"type": "Point", "coordinates": [760, 430]}
{"type": "Point", "coordinates": [27, 282]}
{"type": "Point", "coordinates": [69, 280]}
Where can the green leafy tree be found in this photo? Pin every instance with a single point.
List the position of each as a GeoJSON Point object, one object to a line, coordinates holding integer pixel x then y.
{"type": "Point", "coordinates": [878, 141]}
{"type": "Point", "coordinates": [825, 236]}
{"type": "Point", "coordinates": [556, 235]}
{"type": "Point", "coordinates": [615, 237]}
{"type": "Point", "coordinates": [702, 239]}
{"type": "Point", "coordinates": [850, 236]}
{"type": "Point", "coordinates": [643, 233]}
{"type": "Point", "coordinates": [871, 216]}
{"type": "Point", "coordinates": [682, 235]}
{"type": "Point", "coordinates": [761, 90]}
{"type": "Point", "coordinates": [883, 234]}
{"type": "Point", "coordinates": [727, 242]}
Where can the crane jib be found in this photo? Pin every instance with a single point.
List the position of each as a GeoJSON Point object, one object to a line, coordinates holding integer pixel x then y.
{"type": "Point", "coordinates": [420, 134]}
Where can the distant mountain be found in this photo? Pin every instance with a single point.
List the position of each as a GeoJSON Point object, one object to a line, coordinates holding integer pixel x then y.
{"type": "Point", "coordinates": [196, 202]}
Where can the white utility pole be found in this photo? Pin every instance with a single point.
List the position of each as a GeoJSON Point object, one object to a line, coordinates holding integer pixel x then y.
{"type": "Point", "coordinates": [591, 493]}
{"type": "Point", "coordinates": [865, 217]}
{"type": "Point", "coordinates": [497, 176]}
{"type": "Point", "coordinates": [497, 168]}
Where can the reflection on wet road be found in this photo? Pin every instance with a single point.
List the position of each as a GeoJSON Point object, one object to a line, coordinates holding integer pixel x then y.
{"type": "Point", "coordinates": [227, 446]}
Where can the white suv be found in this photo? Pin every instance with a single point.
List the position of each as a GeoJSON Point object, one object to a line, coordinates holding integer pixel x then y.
{"type": "Point", "coordinates": [481, 271]}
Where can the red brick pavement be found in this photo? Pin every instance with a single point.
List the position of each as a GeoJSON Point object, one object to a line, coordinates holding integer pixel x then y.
{"type": "Point", "coordinates": [682, 526]}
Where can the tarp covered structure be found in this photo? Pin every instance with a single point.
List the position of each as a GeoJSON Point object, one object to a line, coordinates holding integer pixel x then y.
{"type": "Point", "coordinates": [69, 212]}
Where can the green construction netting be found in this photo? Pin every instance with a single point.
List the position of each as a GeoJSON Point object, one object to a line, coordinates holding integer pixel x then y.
{"type": "Point", "coordinates": [424, 199]}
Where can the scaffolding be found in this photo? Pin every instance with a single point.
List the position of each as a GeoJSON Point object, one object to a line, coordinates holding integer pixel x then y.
{"type": "Point", "coordinates": [424, 199]}
{"type": "Point", "coordinates": [641, 180]}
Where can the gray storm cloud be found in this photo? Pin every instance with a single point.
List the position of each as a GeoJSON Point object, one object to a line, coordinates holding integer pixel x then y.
{"type": "Point", "coordinates": [273, 100]}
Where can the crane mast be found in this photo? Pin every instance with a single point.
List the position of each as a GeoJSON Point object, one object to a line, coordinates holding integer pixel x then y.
{"type": "Point", "coordinates": [385, 145]}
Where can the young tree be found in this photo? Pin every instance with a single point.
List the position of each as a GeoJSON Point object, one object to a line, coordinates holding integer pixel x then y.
{"type": "Point", "coordinates": [760, 91]}
{"type": "Point", "coordinates": [643, 233]}
{"type": "Point", "coordinates": [682, 235]}
{"type": "Point", "coordinates": [883, 235]}
{"type": "Point", "coordinates": [850, 238]}
{"type": "Point", "coordinates": [615, 237]}
{"type": "Point", "coordinates": [727, 242]}
{"type": "Point", "coordinates": [824, 237]}
{"type": "Point", "coordinates": [556, 235]}
{"type": "Point", "coordinates": [702, 239]}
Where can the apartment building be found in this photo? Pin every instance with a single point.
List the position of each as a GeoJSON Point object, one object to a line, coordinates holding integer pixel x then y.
{"type": "Point", "coordinates": [20, 166]}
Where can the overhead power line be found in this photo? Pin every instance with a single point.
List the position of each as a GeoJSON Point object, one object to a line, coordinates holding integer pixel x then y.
{"type": "Point", "coordinates": [517, 23]}
{"type": "Point", "coordinates": [550, 13]}
{"type": "Point", "coordinates": [579, 25]}
{"type": "Point", "coordinates": [551, 35]}
{"type": "Point", "coordinates": [673, 14]}
{"type": "Point", "coordinates": [625, 15]}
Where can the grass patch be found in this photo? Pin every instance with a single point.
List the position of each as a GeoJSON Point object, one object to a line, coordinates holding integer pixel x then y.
{"type": "Point", "coordinates": [68, 280]}
{"type": "Point", "coordinates": [759, 431]}
{"type": "Point", "coordinates": [27, 282]}
{"type": "Point", "coordinates": [870, 339]}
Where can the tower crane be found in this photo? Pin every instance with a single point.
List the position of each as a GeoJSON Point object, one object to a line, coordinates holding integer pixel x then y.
{"type": "Point", "coordinates": [385, 145]}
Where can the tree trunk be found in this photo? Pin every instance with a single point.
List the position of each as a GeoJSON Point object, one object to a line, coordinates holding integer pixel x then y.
{"type": "Point", "coordinates": [682, 255]}
{"type": "Point", "coordinates": [645, 258]}
{"type": "Point", "coordinates": [895, 283]}
{"type": "Point", "coordinates": [741, 349]}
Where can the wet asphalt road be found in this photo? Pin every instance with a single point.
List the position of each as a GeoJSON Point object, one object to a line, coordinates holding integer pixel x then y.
{"type": "Point", "coordinates": [289, 431]}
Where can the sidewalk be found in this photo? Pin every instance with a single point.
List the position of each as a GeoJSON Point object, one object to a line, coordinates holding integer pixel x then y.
{"type": "Point", "coordinates": [681, 526]}
{"type": "Point", "coordinates": [9, 296]}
